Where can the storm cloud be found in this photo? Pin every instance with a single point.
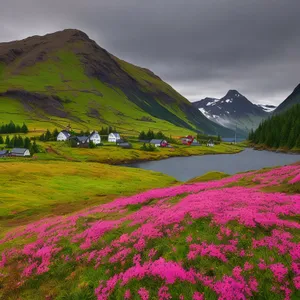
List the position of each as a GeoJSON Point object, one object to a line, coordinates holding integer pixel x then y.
{"type": "Point", "coordinates": [201, 47]}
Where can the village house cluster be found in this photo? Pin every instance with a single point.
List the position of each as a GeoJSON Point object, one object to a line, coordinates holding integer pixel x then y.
{"type": "Point", "coordinates": [94, 137]}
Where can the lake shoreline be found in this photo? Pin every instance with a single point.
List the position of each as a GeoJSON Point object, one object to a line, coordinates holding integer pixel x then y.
{"type": "Point", "coordinates": [280, 150]}
{"type": "Point", "coordinates": [185, 168]}
{"type": "Point", "coordinates": [129, 162]}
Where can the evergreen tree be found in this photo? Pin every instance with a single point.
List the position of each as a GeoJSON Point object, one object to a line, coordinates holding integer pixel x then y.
{"type": "Point", "coordinates": [24, 128]}
{"type": "Point", "coordinates": [34, 148]}
{"type": "Point", "coordinates": [12, 142]}
{"type": "Point", "coordinates": [19, 142]}
{"type": "Point", "coordinates": [55, 134]}
{"type": "Point", "coordinates": [281, 130]}
{"type": "Point", "coordinates": [48, 135]}
{"type": "Point", "coordinates": [142, 135]}
{"type": "Point", "coordinates": [27, 143]}
{"type": "Point", "coordinates": [1, 140]}
{"type": "Point", "coordinates": [92, 145]}
{"type": "Point", "coordinates": [7, 141]}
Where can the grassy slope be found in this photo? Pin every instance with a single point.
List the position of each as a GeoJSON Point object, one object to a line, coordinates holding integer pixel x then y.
{"type": "Point", "coordinates": [63, 75]}
{"type": "Point", "coordinates": [31, 190]}
{"type": "Point", "coordinates": [114, 155]}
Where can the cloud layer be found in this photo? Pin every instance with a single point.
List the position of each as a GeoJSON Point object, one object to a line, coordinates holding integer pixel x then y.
{"type": "Point", "coordinates": [202, 48]}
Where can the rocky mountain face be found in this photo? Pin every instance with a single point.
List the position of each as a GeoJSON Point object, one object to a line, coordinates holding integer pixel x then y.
{"type": "Point", "coordinates": [66, 76]}
{"type": "Point", "coordinates": [292, 99]}
{"type": "Point", "coordinates": [233, 110]}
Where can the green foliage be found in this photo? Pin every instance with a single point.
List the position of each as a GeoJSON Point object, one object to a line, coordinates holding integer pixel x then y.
{"type": "Point", "coordinates": [279, 131]}
{"type": "Point", "coordinates": [92, 145]}
{"type": "Point", "coordinates": [12, 128]}
{"type": "Point", "coordinates": [20, 142]}
{"type": "Point", "coordinates": [48, 136]}
{"type": "Point", "coordinates": [1, 140]}
{"type": "Point", "coordinates": [152, 135]}
{"type": "Point", "coordinates": [148, 147]}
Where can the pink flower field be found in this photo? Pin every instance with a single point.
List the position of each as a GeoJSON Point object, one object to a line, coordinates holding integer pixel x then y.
{"type": "Point", "coordinates": [234, 238]}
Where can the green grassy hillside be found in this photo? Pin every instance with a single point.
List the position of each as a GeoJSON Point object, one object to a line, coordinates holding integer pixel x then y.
{"type": "Point", "coordinates": [66, 78]}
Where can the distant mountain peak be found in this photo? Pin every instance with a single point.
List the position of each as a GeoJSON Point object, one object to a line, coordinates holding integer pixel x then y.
{"type": "Point", "coordinates": [292, 99]}
{"type": "Point", "coordinates": [233, 94]}
{"type": "Point", "coordinates": [231, 109]}
{"type": "Point", "coordinates": [297, 88]}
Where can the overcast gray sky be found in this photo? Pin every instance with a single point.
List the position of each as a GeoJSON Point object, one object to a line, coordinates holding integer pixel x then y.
{"type": "Point", "coordinates": [201, 47]}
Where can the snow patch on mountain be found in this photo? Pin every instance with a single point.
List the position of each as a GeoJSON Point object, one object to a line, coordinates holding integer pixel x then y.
{"type": "Point", "coordinates": [267, 107]}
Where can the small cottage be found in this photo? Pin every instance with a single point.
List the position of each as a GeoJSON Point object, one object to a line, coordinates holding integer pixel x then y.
{"type": "Point", "coordinates": [113, 137]}
{"type": "Point", "coordinates": [63, 136]}
{"type": "Point", "coordinates": [210, 143]}
{"type": "Point", "coordinates": [95, 138]}
{"type": "Point", "coordinates": [81, 141]}
{"type": "Point", "coordinates": [125, 145]}
{"type": "Point", "coordinates": [195, 143]}
{"type": "Point", "coordinates": [187, 140]}
{"type": "Point", "coordinates": [19, 152]}
{"type": "Point", "coordinates": [159, 143]}
{"type": "Point", "coordinates": [3, 153]}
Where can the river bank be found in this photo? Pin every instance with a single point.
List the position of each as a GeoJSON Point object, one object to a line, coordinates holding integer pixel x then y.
{"type": "Point", "coordinates": [261, 147]}
{"type": "Point", "coordinates": [113, 155]}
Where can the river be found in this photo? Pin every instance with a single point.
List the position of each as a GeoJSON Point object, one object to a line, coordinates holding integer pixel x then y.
{"type": "Point", "coordinates": [185, 168]}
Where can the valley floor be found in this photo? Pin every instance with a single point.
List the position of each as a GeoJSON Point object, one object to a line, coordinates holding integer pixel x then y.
{"type": "Point", "coordinates": [114, 155]}
{"type": "Point", "coordinates": [233, 238]}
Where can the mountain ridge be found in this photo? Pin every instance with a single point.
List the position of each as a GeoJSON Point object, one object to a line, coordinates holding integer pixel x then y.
{"type": "Point", "coordinates": [59, 65]}
{"type": "Point", "coordinates": [233, 110]}
{"type": "Point", "coordinates": [292, 99]}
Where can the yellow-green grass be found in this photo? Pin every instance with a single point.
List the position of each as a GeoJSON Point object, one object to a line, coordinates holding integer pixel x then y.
{"type": "Point", "coordinates": [63, 75]}
{"type": "Point", "coordinates": [31, 190]}
{"type": "Point", "coordinates": [116, 155]}
{"type": "Point", "coordinates": [213, 175]}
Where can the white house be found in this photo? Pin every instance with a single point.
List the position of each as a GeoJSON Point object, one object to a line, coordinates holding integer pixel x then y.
{"type": "Point", "coordinates": [95, 137]}
{"type": "Point", "coordinates": [113, 137]}
{"type": "Point", "coordinates": [210, 143]}
{"type": "Point", "coordinates": [20, 152]}
{"type": "Point", "coordinates": [63, 136]}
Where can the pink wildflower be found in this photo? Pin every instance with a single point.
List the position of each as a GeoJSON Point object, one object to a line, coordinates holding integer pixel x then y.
{"type": "Point", "coordinates": [296, 281]}
{"type": "Point", "coordinates": [144, 294]}
{"type": "Point", "coordinates": [163, 293]}
{"type": "Point", "coordinates": [127, 295]}
{"type": "Point", "coordinates": [189, 239]}
{"type": "Point", "coordinates": [198, 296]}
{"type": "Point", "coordinates": [279, 271]}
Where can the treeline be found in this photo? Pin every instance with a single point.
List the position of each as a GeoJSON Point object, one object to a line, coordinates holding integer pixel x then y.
{"type": "Point", "coordinates": [203, 138]}
{"type": "Point", "coordinates": [20, 142]}
{"type": "Point", "coordinates": [150, 135]}
{"type": "Point", "coordinates": [11, 127]}
{"type": "Point", "coordinates": [279, 131]}
{"type": "Point", "coordinates": [49, 136]}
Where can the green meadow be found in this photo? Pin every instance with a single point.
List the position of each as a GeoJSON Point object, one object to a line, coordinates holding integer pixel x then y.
{"type": "Point", "coordinates": [31, 190]}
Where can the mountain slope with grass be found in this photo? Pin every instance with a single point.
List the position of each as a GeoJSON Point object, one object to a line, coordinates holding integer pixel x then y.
{"type": "Point", "coordinates": [65, 77]}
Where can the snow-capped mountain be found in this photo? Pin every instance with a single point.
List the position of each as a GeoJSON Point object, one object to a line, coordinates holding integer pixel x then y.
{"type": "Point", "coordinates": [234, 110]}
